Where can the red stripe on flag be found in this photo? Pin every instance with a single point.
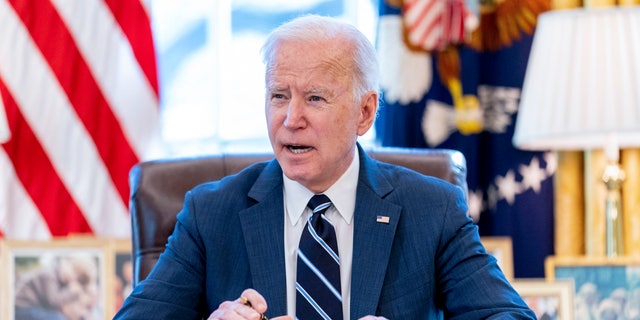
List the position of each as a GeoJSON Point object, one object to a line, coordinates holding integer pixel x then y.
{"type": "Point", "coordinates": [57, 45]}
{"type": "Point", "coordinates": [421, 15]}
{"type": "Point", "coordinates": [429, 31]}
{"type": "Point", "coordinates": [425, 23]}
{"type": "Point", "coordinates": [48, 192]}
{"type": "Point", "coordinates": [136, 25]}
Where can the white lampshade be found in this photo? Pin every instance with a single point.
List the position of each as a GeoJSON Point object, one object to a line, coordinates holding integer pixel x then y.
{"type": "Point", "coordinates": [582, 84]}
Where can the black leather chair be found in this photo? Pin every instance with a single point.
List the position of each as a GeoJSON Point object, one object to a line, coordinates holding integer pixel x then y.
{"type": "Point", "coordinates": [158, 189]}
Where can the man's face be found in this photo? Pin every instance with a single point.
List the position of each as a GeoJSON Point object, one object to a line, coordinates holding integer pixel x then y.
{"type": "Point", "coordinates": [312, 117]}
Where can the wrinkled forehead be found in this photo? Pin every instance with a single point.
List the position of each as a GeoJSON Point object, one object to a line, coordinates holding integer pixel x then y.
{"type": "Point", "coordinates": [331, 57]}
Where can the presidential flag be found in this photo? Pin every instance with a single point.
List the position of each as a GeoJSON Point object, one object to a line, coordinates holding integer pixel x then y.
{"type": "Point", "coordinates": [463, 94]}
{"type": "Point", "coordinates": [79, 91]}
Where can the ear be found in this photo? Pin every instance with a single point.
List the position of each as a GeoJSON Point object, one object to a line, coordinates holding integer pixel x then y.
{"type": "Point", "coordinates": [368, 111]}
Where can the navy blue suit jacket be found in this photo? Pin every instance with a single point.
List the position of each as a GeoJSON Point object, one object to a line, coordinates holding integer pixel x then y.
{"type": "Point", "coordinates": [426, 263]}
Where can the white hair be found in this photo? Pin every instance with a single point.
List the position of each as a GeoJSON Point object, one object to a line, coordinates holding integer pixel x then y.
{"type": "Point", "coordinates": [315, 28]}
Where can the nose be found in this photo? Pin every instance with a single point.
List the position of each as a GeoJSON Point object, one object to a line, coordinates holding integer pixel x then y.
{"type": "Point", "coordinates": [295, 117]}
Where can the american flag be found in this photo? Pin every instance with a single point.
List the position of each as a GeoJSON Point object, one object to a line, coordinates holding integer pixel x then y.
{"type": "Point", "coordinates": [79, 88]}
{"type": "Point", "coordinates": [434, 24]}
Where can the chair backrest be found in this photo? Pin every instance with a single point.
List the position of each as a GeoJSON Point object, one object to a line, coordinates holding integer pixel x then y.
{"type": "Point", "coordinates": [158, 188]}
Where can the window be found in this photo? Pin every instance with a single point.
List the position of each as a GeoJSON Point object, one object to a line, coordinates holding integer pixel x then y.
{"type": "Point", "coordinates": [210, 71]}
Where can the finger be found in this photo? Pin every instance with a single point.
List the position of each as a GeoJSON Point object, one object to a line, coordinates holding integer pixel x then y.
{"type": "Point", "coordinates": [233, 310]}
{"type": "Point", "coordinates": [254, 299]}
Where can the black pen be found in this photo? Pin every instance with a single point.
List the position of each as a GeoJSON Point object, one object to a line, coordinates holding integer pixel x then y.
{"type": "Point", "coordinates": [246, 302]}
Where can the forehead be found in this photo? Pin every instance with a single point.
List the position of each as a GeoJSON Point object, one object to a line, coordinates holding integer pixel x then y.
{"type": "Point", "coordinates": [310, 59]}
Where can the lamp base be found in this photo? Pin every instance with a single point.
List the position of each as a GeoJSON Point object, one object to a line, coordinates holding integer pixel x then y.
{"type": "Point", "coordinates": [613, 177]}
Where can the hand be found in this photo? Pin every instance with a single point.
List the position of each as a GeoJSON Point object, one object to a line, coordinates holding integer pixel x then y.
{"type": "Point", "coordinates": [250, 305]}
{"type": "Point", "coordinates": [372, 318]}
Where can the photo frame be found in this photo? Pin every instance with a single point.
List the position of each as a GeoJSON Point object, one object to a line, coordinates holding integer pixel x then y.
{"type": "Point", "coordinates": [62, 276]}
{"type": "Point", "coordinates": [603, 286]}
{"type": "Point", "coordinates": [120, 277]}
{"type": "Point", "coordinates": [548, 299]}
{"type": "Point", "coordinates": [500, 248]}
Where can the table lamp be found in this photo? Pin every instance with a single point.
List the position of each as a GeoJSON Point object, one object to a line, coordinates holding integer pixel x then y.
{"type": "Point", "coordinates": [581, 91]}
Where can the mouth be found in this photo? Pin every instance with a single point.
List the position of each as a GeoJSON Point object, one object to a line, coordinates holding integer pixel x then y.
{"type": "Point", "coordinates": [298, 149]}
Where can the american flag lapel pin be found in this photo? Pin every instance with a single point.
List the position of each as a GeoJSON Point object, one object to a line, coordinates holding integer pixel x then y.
{"type": "Point", "coordinates": [382, 219]}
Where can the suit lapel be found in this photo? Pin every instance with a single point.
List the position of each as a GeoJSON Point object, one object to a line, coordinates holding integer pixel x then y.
{"type": "Point", "coordinates": [263, 229]}
{"type": "Point", "coordinates": [373, 239]}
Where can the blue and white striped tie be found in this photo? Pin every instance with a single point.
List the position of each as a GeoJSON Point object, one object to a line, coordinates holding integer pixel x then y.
{"type": "Point", "coordinates": [318, 294]}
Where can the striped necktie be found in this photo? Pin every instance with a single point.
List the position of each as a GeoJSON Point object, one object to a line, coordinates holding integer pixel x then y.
{"type": "Point", "coordinates": [318, 276]}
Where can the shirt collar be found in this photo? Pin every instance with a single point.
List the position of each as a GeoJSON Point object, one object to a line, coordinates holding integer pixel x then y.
{"type": "Point", "coordinates": [342, 194]}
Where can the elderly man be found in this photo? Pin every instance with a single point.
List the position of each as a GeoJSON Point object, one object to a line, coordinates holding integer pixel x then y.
{"type": "Point", "coordinates": [324, 231]}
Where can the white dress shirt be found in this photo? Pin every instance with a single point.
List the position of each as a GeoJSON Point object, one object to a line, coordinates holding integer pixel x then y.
{"type": "Point", "coordinates": [343, 196]}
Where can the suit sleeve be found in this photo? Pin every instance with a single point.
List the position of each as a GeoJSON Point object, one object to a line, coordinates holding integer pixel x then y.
{"type": "Point", "coordinates": [173, 289]}
{"type": "Point", "coordinates": [471, 284]}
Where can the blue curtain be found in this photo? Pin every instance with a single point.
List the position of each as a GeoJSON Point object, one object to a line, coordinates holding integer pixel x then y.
{"type": "Point", "coordinates": [511, 191]}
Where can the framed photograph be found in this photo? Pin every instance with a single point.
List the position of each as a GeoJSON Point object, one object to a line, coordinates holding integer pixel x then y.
{"type": "Point", "coordinates": [501, 248]}
{"type": "Point", "coordinates": [548, 299]}
{"type": "Point", "coordinates": [120, 278]}
{"type": "Point", "coordinates": [604, 288]}
{"type": "Point", "coordinates": [57, 279]}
